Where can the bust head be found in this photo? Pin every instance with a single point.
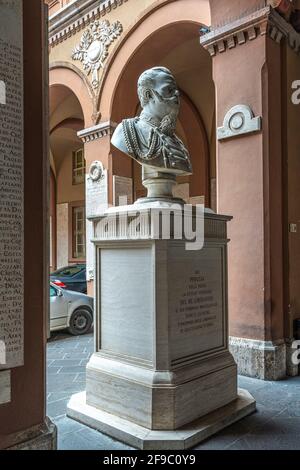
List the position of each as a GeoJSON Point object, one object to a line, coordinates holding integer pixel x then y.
{"type": "Point", "coordinates": [158, 93]}
{"type": "Point", "coordinates": [151, 138]}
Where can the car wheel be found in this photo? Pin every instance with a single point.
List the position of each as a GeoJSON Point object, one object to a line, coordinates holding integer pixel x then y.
{"type": "Point", "coordinates": [80, 322]}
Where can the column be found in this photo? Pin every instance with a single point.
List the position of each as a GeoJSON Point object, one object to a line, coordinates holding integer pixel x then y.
{"type": "Point", "coordinates": [248, 67]}
{"type": "Point", "coordinates": [96, 141]}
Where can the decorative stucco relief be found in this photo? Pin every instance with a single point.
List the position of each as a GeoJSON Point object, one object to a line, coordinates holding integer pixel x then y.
{"type": "Point", "coordinates": [93, 47]}
{"type": "Point", "coordinates": [238, 121]}
{"type": "Point", "coordinates": [96, 170]}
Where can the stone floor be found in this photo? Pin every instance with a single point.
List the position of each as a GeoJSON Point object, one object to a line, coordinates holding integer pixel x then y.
{"type": "Point", "coordinates": [275, 425]}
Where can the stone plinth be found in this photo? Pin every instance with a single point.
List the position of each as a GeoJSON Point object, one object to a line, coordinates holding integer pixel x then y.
{"type": "Point", "coordinates": [162, 359]}
{"type": "Point", "coordinates": [146, 439]}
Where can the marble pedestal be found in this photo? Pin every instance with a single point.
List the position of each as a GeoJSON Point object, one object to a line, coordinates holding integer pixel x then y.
{"type": "Point", "coordinates": [161, 368]}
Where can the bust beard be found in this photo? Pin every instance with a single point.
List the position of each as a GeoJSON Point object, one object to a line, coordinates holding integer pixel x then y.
{"type": "Point", "coordinates": [167, 125]}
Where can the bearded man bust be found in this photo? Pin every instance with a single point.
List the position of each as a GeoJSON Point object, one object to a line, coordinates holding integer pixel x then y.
{"type": "Point", "coordinates": [150, 138]}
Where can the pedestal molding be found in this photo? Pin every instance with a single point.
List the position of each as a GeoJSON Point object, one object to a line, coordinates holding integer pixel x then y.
{"type": "Point", "coordinates": [150, 377]}
{"type": "Point", "coordinates": [214, 228]}
{"type": "Point", "coordinates": [145, 439]}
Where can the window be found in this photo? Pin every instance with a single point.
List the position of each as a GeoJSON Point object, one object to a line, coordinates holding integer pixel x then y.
{"type": "Point", "coordinates": [69, 271]}
{"type": "Point", "coordinates": [53, 292]}
{"type": "Point", "coordinates": [78, 219]}
{"type": "Point", "coordinates": [78, 167]}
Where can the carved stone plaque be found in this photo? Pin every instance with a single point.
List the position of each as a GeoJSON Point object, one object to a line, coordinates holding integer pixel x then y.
{"type": "Point", "coordinates": [197, 310]}
{"type": "Point", "coordinates": [11, 184]}
{"type": "Point", "coordinates": [96, 195]}
{"type": "Point", "coordinates": [122, 192]}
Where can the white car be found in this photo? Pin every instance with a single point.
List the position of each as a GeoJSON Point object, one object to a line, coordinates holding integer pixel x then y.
{"type": "Point", "coordinates": [70, 309]}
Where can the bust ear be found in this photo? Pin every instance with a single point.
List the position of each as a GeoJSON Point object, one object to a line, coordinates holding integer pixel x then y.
{"type": "Point", "coordinates": [147, 95]}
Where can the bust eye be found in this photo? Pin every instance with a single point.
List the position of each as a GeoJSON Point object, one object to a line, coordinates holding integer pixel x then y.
{"type": "Point", "coordinates": [170, 91]}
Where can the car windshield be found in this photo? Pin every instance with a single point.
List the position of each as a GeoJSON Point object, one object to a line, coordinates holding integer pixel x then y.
{"type": "Point", "coordinates": [68, 271]}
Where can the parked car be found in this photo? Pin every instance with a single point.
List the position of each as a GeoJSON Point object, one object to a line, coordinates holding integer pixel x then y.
{"type": "Point", "coordinates": [72, 310]}
{"type": "Point", "coordinates": [71, 277]}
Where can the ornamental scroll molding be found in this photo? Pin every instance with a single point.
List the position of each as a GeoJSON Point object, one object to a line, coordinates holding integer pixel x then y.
{"type": "Point", "coordinates": [238, 121]}
{"type": "Point", "coordinates": [93, 47]}
{"type": "Point", "coordinates": [76, 16]}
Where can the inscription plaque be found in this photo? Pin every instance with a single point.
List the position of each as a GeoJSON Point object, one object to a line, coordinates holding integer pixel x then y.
{"type": "Point", "coordinates": [122, 191]}
{"type": "Point", "coordinates": [197, 302]}
{"type": "Point", "coordinates": [11, 182]}
{"type": "Point", "coordinates": [96, 195]}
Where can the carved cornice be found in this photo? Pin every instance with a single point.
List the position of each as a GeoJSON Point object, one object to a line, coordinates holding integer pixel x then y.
{"type": "Point", "coordinates": [260, 23]}
{"type": "Point", "coordinates": [278, 25]}
{"type": "Point", "coordinates": [97, 132]}
{"type": "Point", "coordinates": [76, 16]}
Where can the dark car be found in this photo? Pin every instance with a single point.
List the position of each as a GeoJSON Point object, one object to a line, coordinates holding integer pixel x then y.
{"type": "Point", "coordinates": [71, 277]}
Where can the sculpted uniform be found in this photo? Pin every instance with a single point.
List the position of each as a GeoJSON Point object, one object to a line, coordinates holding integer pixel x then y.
{"type": "Point", "coordinates": [151, 145]}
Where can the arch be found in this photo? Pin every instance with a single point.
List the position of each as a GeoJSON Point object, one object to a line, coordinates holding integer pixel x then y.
{"type": "Point", "coordinates": [199, 149]}
{"type": "Point", "coordinates": [158, 17]}
{"type": "Point", "coordinates": [67, 75]}
{"type": "Point", "coordinates": [70, 123]}
{"type": "Point", "coordinates": [52, 162]}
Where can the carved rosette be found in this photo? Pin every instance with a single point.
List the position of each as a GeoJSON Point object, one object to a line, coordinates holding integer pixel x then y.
{"type": "Point", "coordinates": [93, 47]}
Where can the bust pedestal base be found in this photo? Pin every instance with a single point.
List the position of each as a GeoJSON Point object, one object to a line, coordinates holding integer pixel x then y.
{"type": "Point", "coordinates": [146, 439]}
{"type": "Point", "coordinates": [161, 361]}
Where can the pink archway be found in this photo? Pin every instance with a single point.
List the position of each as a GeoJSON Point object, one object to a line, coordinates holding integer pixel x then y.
{"type": "Point", "coordinates": [66, 75]}
{"type": "Point", "coordinates": [156, 18]}
{"type": "Point", "coordinates": [154, 36]}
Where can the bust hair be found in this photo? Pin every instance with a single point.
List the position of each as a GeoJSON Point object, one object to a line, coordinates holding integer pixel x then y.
{"type": "Point", "coordinates": [147, 82]}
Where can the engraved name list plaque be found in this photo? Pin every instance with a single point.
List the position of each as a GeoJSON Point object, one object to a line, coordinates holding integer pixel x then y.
{"type": "Point", "coordinates": [11, 184]}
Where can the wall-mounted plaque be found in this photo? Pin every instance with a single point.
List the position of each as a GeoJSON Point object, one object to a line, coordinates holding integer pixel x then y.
{"type": "Point", "coordinates": [122, 191]}
{"type": "Point", "coordinates": [11, 183]}
{"type": "Point", "coordinates": [96, 203]}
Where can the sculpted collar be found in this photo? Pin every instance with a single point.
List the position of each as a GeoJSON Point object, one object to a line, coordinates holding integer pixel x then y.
{"type": "Point", "coordinates": [166, 126]}
{"type": "Point", "coordinates": [153, 121]}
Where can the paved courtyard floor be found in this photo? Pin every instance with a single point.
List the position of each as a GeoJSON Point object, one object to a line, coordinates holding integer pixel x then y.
{"type": "Point", "coordinates": [275, 425]}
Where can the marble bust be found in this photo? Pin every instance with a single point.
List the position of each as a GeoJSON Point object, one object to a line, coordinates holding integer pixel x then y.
{"type": "Point", "coordinates": [150, 138]}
